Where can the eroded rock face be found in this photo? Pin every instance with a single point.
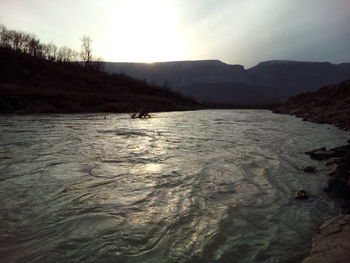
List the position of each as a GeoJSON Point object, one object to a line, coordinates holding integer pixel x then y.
{"type": "Point", "coordinates": [332, 245]}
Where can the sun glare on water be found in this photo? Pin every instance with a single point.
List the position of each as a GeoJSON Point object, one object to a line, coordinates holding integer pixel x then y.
{"type": "Point", "coordinates": [144, 31]}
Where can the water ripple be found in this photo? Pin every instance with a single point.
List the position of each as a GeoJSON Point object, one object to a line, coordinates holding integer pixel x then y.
{"type": "Point", "coordinates": [206, 186]}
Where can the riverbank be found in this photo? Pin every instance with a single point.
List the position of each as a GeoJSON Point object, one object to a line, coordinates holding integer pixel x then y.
{"type": "Point", "coordinates": [31, 85]}
{"type": "Point", "coordinates": [329, 105]}
{"type": "Point", "coordinates": [332, 244]}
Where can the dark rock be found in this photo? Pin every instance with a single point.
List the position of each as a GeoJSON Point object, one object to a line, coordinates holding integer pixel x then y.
{"type": "Point", "coordinates": [319, 149]}
{"type": "Point", "coordinates": [309, 169]}
{"type": "Point", "coordinates": [346, 158]}
{"type": "Point", "coordinates": [333, 161]}
{"type": "Point", "coordinates": [342, 170]}
{"type": "Point", "coordinates": [323, 155]}
{"type": "Point", "coordinates": [338, 188]}
{"type": "Point", "coordinates": [301, 195]}
{"type": "Point", "coordinates": [140, 115]}
{"type": "Point", "coordinates": [342, 150]}
{"type": "Point", "coordinates": [346, 206]}
{"type": "Point", "coordinates": [333, 242]}
{"type": "Point", "coordinates": [338, 183]}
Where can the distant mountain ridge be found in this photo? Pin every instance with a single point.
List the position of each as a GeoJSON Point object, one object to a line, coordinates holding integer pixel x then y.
{"type": "Point", "coordinates": [215, 81]}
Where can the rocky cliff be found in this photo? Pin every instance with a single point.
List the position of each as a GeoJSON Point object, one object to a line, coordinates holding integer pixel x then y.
{"type": "Point", "coordinates": [212, 80]}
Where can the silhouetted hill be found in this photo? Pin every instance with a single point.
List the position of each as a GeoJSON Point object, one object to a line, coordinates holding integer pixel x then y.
{"type": "Point", "coordinates": [215, 81]}
{"type": "Point", "coordinates": [32, 85]}
{"type": "Point", "coordinates": [289, 78]}
{"type": "Point", "coordinates": [329, 104]}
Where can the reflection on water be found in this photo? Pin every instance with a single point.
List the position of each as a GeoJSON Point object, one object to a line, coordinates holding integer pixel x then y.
{"type": "Point", "coordinates": [205, 186]}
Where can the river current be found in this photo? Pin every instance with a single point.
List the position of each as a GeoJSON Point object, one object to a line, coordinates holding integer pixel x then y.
{"type": "Point", "coordinates": [202, 186]}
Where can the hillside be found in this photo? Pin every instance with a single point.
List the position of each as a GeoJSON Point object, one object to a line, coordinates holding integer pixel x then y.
{"type": "Point", "coordinates": [214, 81]}
{"type": "Point", "coordinates": [330, 104]}
{"type": "Point", "coordinates": [32, 85]}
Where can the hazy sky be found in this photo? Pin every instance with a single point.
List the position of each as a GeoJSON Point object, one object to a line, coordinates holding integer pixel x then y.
{"type": "Point", "coordinates": [234, 31]}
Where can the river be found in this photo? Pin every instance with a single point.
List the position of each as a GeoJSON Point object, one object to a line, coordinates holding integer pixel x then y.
{"type": "Point", "coordinates": [201, 186]}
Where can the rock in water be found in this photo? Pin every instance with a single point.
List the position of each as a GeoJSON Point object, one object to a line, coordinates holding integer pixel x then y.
{"type": "Point", "coordinates": [302, 195]}
{"type": "Point", "coordinates": [333, 161]}
{"type": "Point", "coordinates": [323, 155]}
{"type": "Point", "coordinates": [309, 169]}
{"type": "Point", "coordinates": [319, 149]}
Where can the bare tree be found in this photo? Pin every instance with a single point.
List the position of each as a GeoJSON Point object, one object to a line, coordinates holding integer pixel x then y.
{"type": "Point", "coordinates": [45, 51]}
{"type": "Point", "coordinates": [22, 41]}
{"type": "Point", "coordinates": [65, 54]}
{"type": "Point", "coordinates": [86, 50]}
{"type": "Point", "coordinates": [74, 56]}
{"type": "Point", "coordinates": [50, 51]}
{"type": "Point", "coordinates": [33, 45]}
{"type": "Point", "coordinates": [14, 39]}
{"type": "Point", "coordinates": [4, 36]}
{"type": "Point", "coordinates": [24, 45]}
{"type": "Point", "coordinates": [29, 44]}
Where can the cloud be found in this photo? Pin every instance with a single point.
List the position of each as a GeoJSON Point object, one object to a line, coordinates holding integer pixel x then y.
{"type": "Point", "coordinates": [235, 31]}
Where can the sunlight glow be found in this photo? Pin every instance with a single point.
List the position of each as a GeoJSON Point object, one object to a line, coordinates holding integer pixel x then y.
{"type": "Point", "coordinates": [144, 31]}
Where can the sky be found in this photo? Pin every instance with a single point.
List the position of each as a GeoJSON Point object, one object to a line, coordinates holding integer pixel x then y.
{"type": "Point", "coordinates": [242, 32]}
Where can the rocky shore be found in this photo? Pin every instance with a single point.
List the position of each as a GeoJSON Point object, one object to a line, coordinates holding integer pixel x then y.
{"type": "Point", "coordinates": [332, 244]}
{"type": "Point", "coordinates": [339, 179]}
{"type": "Point", "coordinates": [330, 105]}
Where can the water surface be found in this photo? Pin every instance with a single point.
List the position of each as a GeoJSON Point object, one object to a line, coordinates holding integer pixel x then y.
{"type": "Point", "coordinates": [204, 186]}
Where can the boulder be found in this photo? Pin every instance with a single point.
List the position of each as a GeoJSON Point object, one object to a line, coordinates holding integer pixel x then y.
{"type": "Point", "coordinates": [333, 160]}
{"type": "Point", "coordinates": [323, 155]}
{"type": "Point", "coordinates": [333, 242]}
{"type": "Point", "coordinates": [337, 184]}
{"type": "Point", "coordinates": [309, 169]}
{"type": "Point", "coordinates": [302, 195]}
{"type": "Point", "coordinates": [342, 170]}
{"type": "Point", "coordinates": [319, 149]}
{"type": "Point", "coordinates": [342, 150]}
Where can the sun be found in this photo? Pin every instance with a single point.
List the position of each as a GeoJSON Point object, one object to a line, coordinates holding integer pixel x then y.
{"type": "Point", "coordinates": [144, 31]}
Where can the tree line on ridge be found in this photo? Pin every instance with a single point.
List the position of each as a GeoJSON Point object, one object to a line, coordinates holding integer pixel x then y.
{"type": "Point", "coordinates": [30, 44]}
